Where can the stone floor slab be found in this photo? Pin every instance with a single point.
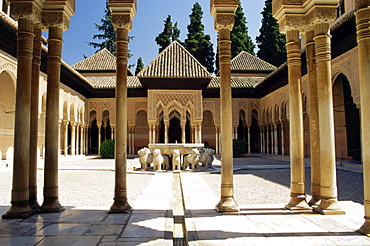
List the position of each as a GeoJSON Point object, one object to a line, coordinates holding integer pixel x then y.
{"type": "Point", "coordinates": [70, 241]}
{"type": "Point", "coordinates": [63, 229]}
{"type": "Point", "coordinates": [104, 230]}
{"type": "Point", "coordinates": [17, 241]}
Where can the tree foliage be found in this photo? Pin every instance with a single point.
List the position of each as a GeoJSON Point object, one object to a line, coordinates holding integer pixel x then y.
{"type": "Point", "coordinates": [139, 65]}
{"type": "Point", "coordinates": [169, 34]}
{"type": "Point", "coordinates": [108, 35]}
{"type": "Point", "coordinates": [271, 42]}
{"type": "Point", "coordinates": [240, 40]}
{"type": "Point", "coordinates": [197, 43]}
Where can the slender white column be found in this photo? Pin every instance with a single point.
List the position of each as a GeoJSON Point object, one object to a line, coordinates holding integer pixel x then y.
{"type": "Point", "coordinates": [276, 140]}
{"type": "Point", "coordinates": [217, 141]}
{"type": "Point", "coordinates": [249, 140]}
{"type": "Point", "coordinates": [282, 139]}
{"type": "Point", "coordinates": [99, 138]}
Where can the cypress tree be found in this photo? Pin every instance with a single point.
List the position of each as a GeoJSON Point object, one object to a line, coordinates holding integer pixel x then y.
{"type": "Point", "coordinates": [240, 40]}
{"type": "Point", "coordinates": [139, 65]}
{"type": "Point", "coordinates": [197, 43]}
{"type": "Point", "coordinates": [109, 34]}
{"type": "Point", "coordinates": [271, 42]}
{"type": "Point", "coordinates": [164, 38]}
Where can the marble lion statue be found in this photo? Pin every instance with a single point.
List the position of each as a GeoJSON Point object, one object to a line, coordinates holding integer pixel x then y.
{"type": "Point", "coordinates": [145, 157]}
{"type": "Point", "coordinates": [176, 161]}
{"type": "Point", "coordinates": [157, 159]}
{"type": "Point", "coordinates": [192, 159]}
{"type": "Point", "coordinates": [206, 157]}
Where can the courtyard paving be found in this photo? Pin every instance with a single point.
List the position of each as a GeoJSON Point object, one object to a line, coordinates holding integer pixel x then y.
{"type": "Point", "coordinates": [172, 208]}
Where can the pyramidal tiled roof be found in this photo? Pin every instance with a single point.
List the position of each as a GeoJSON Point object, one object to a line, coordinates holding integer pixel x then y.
{"type": "Point", "coordinates": [237, 82]}
{"type": "Point", "coordinates": [245, 62]}
{"type": "Point", "coordinates": [174, 62]}
{"type": "Point", "coordinates": [102, 60]}
{"type": "Point", "coordinates": [109, 82]}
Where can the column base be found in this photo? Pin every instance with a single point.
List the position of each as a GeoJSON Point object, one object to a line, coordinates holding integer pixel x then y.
{"type": "Point", "coordinates": [19, 210]}
{"type": "Point", "coordinates": [51, 205]}
{"type": "Point", "coordinates": [365, 228]}
{"type": "Point", "coordinates": [298, 204]}
{"type": "Point", "coordinates": [329, 207]}
{"type": "Point", "coordinates": [315, 201]}
{"type": "Point", "coordinates": [227, 204]}
{"type": "Point", "coordinates": [120, 206]}
{"type": "Point", "coordinates": [34, 204]}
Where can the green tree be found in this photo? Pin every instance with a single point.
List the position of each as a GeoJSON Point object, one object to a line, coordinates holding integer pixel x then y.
{"type": "Point", "coordinates": [169, 34]}
{"type": "Point", "coordinates": [240, 40]}
{"type": "Point", "coordinates": [271, 42]}
{"type": "Point", "coordinates": [108, 35]}
{"type": "Point", "coordinates": [139, 65]}
{"type": "Point", "coordinates": [197, 43]}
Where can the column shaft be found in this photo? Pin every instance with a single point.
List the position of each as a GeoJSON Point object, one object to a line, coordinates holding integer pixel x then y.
{"type": "Point", "coordinates": [249, 140]}
{"type": "Point", "coordinates": [226, 203]}
{"type": "Point", "coordinates": [297, 170]}
{"type": "Point", "coordinates": [314, 120]}
{"type": "Point", "coordinates": [121, 204]}
{"type": "Point", "coordinates": [363, 40]}
{"type": "Point", "coordinates": [36, 62]}
{"type": "Point", "coordinates": [73, 139]}
{"type": "Point", "coordinates": [65, 123]}
{"type": "Point", "coordinates": [328, 189]}
{"type": "Point", "coordinates": [20, 189]}
{"type": "Point", "coordinates": [51, 192]}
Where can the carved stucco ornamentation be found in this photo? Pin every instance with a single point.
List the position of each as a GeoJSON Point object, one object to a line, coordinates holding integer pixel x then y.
{"type": "Point", "coordinates": [362, 4]}
{"type": "Point", "coordinates": [292, 22]}
{"type": "Point", "coordinates": [105, 105]}
{"type": "Point", "coordinates": [93, 105]}
{"type": "Point", "coordinates": [321, 14]}
{"type": "Point", "coordinates": [224, 21]}
{"type": "Point", "coordinates": [55, 18]}
{"type": "Point", "coordinates": [121, 21]}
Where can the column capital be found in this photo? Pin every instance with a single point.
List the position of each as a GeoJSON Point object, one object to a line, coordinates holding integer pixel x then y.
{"type": "Point", "coordinates": [57, 13]}
{"type": "Point", "coordinates": [362, 4]}
{"type": "Point", "coordinates": [223, 12]}
{"type": "Point", "coordinates": [26, 9]}
{"type": "Point", "coordinates": [123, 11]}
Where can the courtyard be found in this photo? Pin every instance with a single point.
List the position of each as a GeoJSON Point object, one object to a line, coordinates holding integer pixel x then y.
{"type": "Point", "coordinates": [171, 208]}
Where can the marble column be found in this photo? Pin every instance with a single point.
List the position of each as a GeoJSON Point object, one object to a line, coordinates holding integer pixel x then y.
{"type": "Point", "coordinates": [78, 146]}
{"type": "Point", "coordinates": [249, 139]}
{"type": "Point", "coordinates": [166, 132]}
{"type": "Point", "coordinates": [217, 141]}
{"type": "Point", "coordinates": [262, 140]}
{"type": "Point", "coordinates": [282, 139]}
{"type": "Point", "coordinates": [297, 170]}
{"type": "Point", "coordinates": [51, 189]}
{"type": "Point", "coordinates": [276, 145]}
{"type": "Point", "coordinates": [200, 133]}
{"type": "Point", "coordinates": [268, 140]}
{"type": "Point", "coordinates": [314, 119]}
{"type": "Point", "coordinates": [363, 39]}
{"type": "Point", "coordinates": [122, 24]}
{"type": "Point", "coordinates": [36, 62]}
{"type": "Point", "coordinates": [73, 138]}
{"type": "Point", "coordinates": [99, 137]}
{"type": "Point", "coordinates": [112, 131]}
{"type": "Point", "coordinates": [129, 141]}
{"type": "Point", "coordinates": [154, 134]}
{"type": "Point", "coordinates": [65, 124]}
{"type": "Point", "coordinates": [133, 141]}
{"type": "Point", "coordinates": [150, 134]}
{"type": "Point", "coordinates": [224, 22]}
{"type": "Point", "coordinates": [328, 185]}
{"type": "Point", "coordinates": [20, 189]}
{"type": "Point", "coordinates": [183, 129]}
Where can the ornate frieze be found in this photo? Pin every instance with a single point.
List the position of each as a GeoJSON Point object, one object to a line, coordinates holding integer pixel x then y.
{"type": "Point", "coordinates": [224, 21]}
{"type": "Point", "coordinates": [55, 18]}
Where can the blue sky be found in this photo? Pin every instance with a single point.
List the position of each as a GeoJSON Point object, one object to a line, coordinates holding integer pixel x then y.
{"type": "Point", "coordinates": [147, 24]}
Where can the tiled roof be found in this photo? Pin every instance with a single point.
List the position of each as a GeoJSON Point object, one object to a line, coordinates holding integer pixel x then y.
{"type": "Point", "coordinates": [245, 62]}
{"type": "Point", "coordinates": [174, 62]}
{"type": "Point", "coordinates": [237, 82]}
{"type": "Point", "coordinates": [102, 60]}
{"type": "Point", "coordinates": [109, 82]}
